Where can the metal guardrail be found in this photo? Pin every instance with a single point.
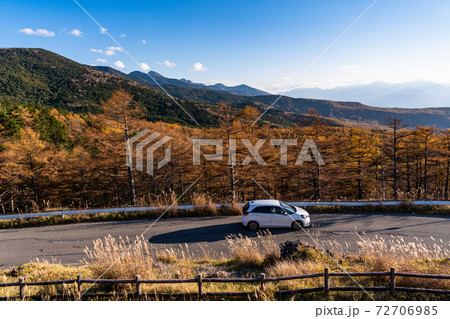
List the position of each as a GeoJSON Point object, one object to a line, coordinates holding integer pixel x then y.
{"type": "Point", "coordinates": [185, 207]}
{"type": "Point", "coordinates": [376, 203]}
{"type": "Point", "coordinates": [199, 280]}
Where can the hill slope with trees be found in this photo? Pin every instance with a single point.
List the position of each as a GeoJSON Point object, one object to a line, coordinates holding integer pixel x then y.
{"type": "Point", "coordinates": [41, 77]}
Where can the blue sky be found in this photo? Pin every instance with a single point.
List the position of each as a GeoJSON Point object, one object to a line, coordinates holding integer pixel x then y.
{"type": "Point", "coordinates": [266, 44]}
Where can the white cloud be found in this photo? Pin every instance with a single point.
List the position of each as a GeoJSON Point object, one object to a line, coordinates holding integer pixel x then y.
{"type": "Point", "coordinates": [144, 41]}
{"type": "Point", "coordinates": [76, 32]}
{"type": "Point", "coordinates": [198, 67]}
{"type": "Point", "coordinates": [167, 63]}
{"type": "Point", "coordinates": [122, 35]}
{"type": "Point", "coordinates": [103, 30]}
{"type": "Point", "coordinates": [144, 67]}
{"type": "Point", "coordinates": [38, 32]}
{"type": "Point", "coordinates": [102, 60]}
{"type": "Point", "coordinates": [112, 50]}
{"type": "Point", "coordinates": [120, 65]}
{"type": "Point", "coordinates": [108, 51]}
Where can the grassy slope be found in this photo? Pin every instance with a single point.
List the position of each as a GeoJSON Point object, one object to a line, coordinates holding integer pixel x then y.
{"type": "Point", "coordinates": [249, 258]}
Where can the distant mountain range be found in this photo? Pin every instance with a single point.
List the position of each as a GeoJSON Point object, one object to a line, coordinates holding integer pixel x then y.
{"type": "Point", "coordinates": [415, 94]}
{"type": "Point", "coordinates": [38, 76]}
{"type": "Point", "coordinates": [150, 77]}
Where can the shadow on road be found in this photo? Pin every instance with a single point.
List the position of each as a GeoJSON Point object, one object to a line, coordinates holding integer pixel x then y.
{"type": "Point", "coordinates": [208, 234]}
{"type": "Point", "coordinates": [215, 233]}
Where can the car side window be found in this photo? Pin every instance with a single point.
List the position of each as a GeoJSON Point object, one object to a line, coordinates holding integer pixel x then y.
{"type": "Point", "coordinates": [255, 209]}
{"type": "Point", "coordinates": [277, 210]}
{"type": "Point", "coordinates": [262, 210]}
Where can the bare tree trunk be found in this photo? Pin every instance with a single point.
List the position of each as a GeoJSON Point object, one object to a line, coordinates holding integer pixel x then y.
{"type": "Point", "coordinates": [231, 165]}
{"type": "Point", "coordinates": [447, 179]}
{"type": "Point", "coordinates": [33, 182]}
{"type": "Point", "coordinates": [425, 169]}
{"type": "Point", "coordinates": [360, 191]}
{"type": "Point", "coordinates": [181, 183]}
{"type": "Point", "coordinates": [318, 192]}
{"type": "Point", "coordinates": [318, 172]}
{"type": "Point", "coordinates": [408, 176]}
{"type": "Point", "coordinates": [395, 171]}
{"type": "Point", "coordinates": [383, 186]}
{"type": "Point", "coordinates": [130, 170]}
{"type": "Point", "coordinates": [205, 177]}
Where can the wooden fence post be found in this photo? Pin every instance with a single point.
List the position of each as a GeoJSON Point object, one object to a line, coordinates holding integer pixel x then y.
{"type": "Point", "coordinates": [392, 281]}
{"type": "Point", "coordinates": [200, 285]}
{"type": "Point", "coordinates": [79, 284]}
{"type": "Point", "coordinates": [21, 288]}
{"type": "Point", "coordinates": [262, 278]}
{"type": "Point", "coordinates": [138, 287]}
{"type": "Point", "coordinates": [326, 280]}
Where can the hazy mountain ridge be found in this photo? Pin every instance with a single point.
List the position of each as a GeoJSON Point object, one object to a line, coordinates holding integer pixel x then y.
{"type": "Point", "coordinates": [148, 79]}
{"type": "Point", "coordinates": [416, 94]}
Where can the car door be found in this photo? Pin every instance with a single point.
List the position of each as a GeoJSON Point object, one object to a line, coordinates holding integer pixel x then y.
{"type": "Point", "coordinates": [261, 214]}
{"type": "Point", "coordinates": [278, 217]}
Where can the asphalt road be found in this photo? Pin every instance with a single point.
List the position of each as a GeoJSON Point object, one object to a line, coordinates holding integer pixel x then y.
{"type": "Point", "coordinates": [200, 236]}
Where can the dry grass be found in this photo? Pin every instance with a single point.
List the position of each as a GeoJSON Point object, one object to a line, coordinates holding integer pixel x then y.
{"type": "Point", "coordinates": [247, 252]}
{"type": "Point", "coordinates": [409, 257]}
{"type": "Point", "coordinates": [204, 203]}
{"type": "Point", "coordinates": [292, 268]}
{"type": "Point", "coordinates": [285, 268]}
{"type": "Point", "coordinates": [235, 208]}
{"type": "Point", "coordinates": [113, 258]}
{"type": "Point", "coordinates": [167, 256]}
{"type": "Point", "coordinates": [382, 254]}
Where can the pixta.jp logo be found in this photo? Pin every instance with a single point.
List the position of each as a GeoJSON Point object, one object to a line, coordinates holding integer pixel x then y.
{"type": "Point", "coordinates": [141, 145]}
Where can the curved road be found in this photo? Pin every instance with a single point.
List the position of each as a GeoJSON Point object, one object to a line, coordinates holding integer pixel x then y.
{"type": "Point", "coordinates": [200, 236]}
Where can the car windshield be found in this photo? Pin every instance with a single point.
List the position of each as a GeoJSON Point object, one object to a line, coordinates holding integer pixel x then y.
{"type": "Point", "coordinates": [289, 208]}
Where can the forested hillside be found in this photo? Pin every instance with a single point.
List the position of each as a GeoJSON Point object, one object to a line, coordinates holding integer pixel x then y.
{"type": "Point", "coordinates": [345, 113]}
{"type": "Point", "coordinates": [62, 142]}
{"type": "Point", "coordinates": [40, 77]}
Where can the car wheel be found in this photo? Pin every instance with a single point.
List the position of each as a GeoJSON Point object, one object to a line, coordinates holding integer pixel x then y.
{"type": "Point", "coordinates": [297, 225]}
{"type": "Point", "coordinates": [253, 226]}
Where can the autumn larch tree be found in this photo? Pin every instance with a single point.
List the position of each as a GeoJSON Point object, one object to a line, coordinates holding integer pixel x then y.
{"type": "Point", "coordinates": [27, 157]}
{"type": "Point", "coordinates": [120, 114]}
{"type": "Point", "coordinates": [396, 135]}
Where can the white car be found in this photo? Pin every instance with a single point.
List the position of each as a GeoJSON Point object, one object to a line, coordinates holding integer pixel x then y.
{"type": "Point", "coordinates": [273, 213]}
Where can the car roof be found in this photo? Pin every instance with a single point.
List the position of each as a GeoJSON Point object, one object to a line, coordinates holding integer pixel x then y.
{"type": "Point", "coordinates": [264, 202]}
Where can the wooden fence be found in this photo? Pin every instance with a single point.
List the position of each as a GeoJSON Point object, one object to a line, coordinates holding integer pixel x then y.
{"type": "Point", "coordinates": [199, 280]}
